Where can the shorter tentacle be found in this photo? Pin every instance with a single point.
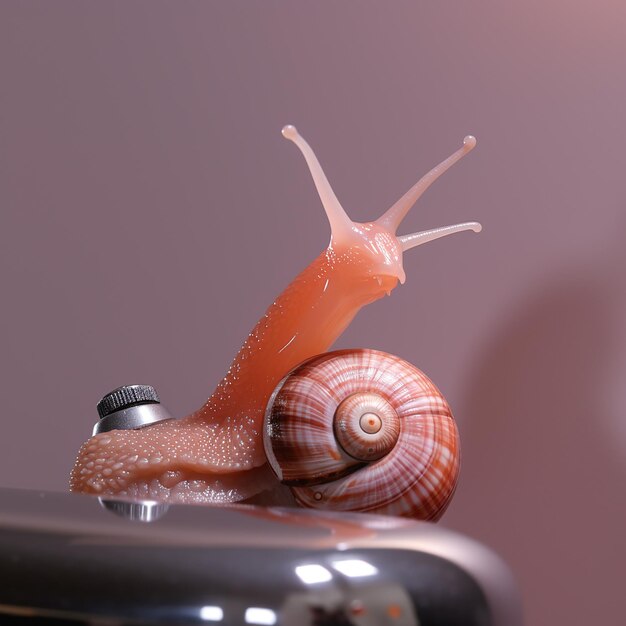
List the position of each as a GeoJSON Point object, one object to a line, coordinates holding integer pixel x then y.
{"type": "Point", "coordinates": [417, 239]}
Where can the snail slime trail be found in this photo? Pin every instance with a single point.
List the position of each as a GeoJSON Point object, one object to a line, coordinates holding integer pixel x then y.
{"type": "Point", "coordinates": [353, 430]}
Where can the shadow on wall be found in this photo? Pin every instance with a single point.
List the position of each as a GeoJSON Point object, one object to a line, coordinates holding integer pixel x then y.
{"type": "Point", "coordinates": [543, 478]}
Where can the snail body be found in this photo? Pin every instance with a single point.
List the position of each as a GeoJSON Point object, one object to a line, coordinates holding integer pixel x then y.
{"type": "Point", "coordinates": [217, 454]}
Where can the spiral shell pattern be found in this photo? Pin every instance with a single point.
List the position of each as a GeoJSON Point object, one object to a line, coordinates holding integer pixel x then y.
{"type": "Point", "coordinates": [363, 430]}
{"type": "Point", "coordinates": [366, 426]}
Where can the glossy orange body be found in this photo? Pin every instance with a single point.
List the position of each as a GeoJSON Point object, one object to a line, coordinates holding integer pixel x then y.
{"type": "Point", "coordinates": [225, 435]}
{"type": "Point", "coordinates": [216, 454]}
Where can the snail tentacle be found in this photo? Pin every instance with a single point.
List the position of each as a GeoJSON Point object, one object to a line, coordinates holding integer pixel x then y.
{"type": "Point", "coordinates": [417, 239]}
{"type": "Point", "coordinates": [392, 218]}
{"type": "Point", "coordinates": [340, 223]}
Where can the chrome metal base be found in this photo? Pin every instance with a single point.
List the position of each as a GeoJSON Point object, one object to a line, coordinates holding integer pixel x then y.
{"type": "Point", "coordinates": [80, 560]}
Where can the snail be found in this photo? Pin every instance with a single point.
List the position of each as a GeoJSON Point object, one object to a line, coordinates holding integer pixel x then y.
{"type": "Point", "coordinates": [236, 447]}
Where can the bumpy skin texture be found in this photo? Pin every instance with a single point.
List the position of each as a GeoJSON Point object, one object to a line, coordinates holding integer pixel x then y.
{"type": "Point", "coordinates": [216, 454]}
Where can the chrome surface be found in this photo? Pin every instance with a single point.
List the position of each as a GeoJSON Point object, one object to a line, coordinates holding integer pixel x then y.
{"type": "Point", "coordinates": [137, 511]}
{"type": "Point", "coordinates": [133, 417]}
{"type": "Point", "coordinates": [70, 557]}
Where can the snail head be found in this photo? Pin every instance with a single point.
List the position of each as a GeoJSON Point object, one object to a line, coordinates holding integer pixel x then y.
{"type": "Point", "coordinates": [376, 243]}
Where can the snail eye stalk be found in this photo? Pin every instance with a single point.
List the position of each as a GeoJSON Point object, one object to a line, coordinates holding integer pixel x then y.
{"type": "Point", "coordinates": [340, 223]}
{"type": "Point", "coordinates": [342, 226]}
{"type": "Point", "coordinates": [392, 218]}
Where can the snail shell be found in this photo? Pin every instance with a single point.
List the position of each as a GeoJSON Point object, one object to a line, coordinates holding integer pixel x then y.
{"type": "Point", "coordinates": [363, 430]}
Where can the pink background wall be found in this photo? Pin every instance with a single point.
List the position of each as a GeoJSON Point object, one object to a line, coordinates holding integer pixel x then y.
{"type": "Point", "coordinates": [150, 211]}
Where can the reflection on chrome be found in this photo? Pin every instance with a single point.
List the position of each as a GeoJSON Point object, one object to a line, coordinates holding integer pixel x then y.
{"type": "Point", "coordinates": [366, 604]}
{"type": "Point", "coordinates": [138, 511]}
{"type": "Point", "coordinates": [312, 574]}
{"type": "Point", "coordinates": [355, 568]}
{"type": "Point", "coordinates": [257, 615]}
{"type": "Point", "coordinates": [211, 613]}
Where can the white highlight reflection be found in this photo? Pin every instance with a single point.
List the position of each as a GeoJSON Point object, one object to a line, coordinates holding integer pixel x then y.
{"type": "Point", "coordinates": [312, 574]}
{"type": "Point", "coordinates": [256, 615]}
{"type": "Point", "coordinates": [355, 568]}
{"type": "Point", "coordinates": [211, 613]}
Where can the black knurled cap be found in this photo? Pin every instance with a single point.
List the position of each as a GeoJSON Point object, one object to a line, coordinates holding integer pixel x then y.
{"type": "Point", "coordinates": [126, 396]}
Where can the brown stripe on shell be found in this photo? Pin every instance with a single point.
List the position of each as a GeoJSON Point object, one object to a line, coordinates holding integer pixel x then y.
{"type": "Point", "coordinates": [418, 475]}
